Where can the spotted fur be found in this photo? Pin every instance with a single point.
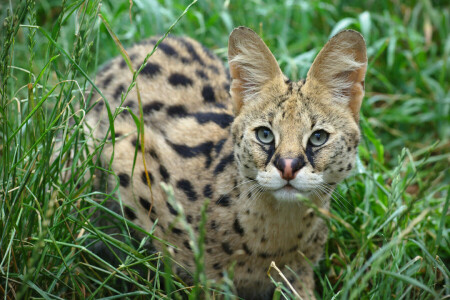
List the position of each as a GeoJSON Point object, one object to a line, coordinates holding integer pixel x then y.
{"type": "Point", "coordinates": [205, 144]}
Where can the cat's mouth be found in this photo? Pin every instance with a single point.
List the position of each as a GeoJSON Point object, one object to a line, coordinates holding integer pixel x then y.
{"type": "Point", "coordinates": [288, 192]}
{"type": "Point", "coordinates": [290, 188]}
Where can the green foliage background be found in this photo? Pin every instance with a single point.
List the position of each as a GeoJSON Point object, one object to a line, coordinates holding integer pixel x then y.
{"type": "Point", "coordinates": [389, 223]}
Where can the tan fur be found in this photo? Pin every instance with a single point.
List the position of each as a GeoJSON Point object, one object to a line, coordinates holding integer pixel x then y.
{"type": "Point", "coordinates": [199, 149]}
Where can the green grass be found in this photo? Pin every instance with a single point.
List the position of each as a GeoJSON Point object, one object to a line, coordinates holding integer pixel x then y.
{"type": "Point", "coordinates": [389, 223]}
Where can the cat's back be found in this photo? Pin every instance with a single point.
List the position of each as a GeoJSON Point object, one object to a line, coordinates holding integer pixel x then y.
{"type": "Point", "coordinates": [181, 77]}
{"type": "Point", "coordinates": [184, 92]}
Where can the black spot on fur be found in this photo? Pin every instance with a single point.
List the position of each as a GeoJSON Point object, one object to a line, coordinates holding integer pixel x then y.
{"type": "Point", "coordinates": [145, 203]}
{"type": "Point", "coordinates": [154, 106]}
{"type": "Point", "coordinates": [300, 235]}
{"type": "Point", "coordinates": [246, 249]}
{"type": "Point", "coordinates": [219, 145]}
{"type": "Point", "coordinates": [189, 152]}
{"type": "Point", "coordinates": [164, 174]}
{"type": "Point", "coordinates": [214, 225]}
{"type": "Point", "coordinates": [172, 210]}
{"type": "Point", "coordinates": [223, 163]}
{"type": "Point", "coordinates": [223, 120]}
{"type": "Point", "coordinates": [151, 70]}
{"type": "Point", "coordinates": [124, 179]}
{"type": "Point", "coordinates": [178, 79]}
{"type": "Point", "coordinates": [153, 217]}
{"type": "Point", "coordinates": [293, 249]}
{"type": "Point", "coordinates": [118, 92]}
{"type": "Point", "coordinates": [226, 87]}
{"type": "Point", "coordinates": [144, 178]}
{"type": "Point", "coordinates": [189, 219]}
{"type": "Point", "coordinates": [208, 94]}
{"type": "Point", "coordinates": [226, 247]}
{"type": "Point", "coordinates": [123, 64]}
{"type": "Point", "coordinates": [237, 227]}
{"type": "Point", "coordinates": [107, 80]}
{"type": "Point", "coordinates": [191, 50]}
{"type": "Point", "coordinates": [167, 49]}
{"type": "Point", "coordinates": [186, 244]}
{"type": "Point", "coordinates": [134, 143]}
{"type": "Point", "coordinates": [263, 255]}
{"type": "Point", "coordinates": [153, 154]}
{"type": "Point", "coordinates": [349, 167]}
{"type": "Point", "coordinates": [130, 104]}
{"type": "Point", "coordinates": [213, 68]}
{"type": "Point", "coordinates": [349, 149]}
{"type": "Point", "coordinates": [209, 53]}
{"type": "Point", "coordinates": [130, 213]}
{"type": "Point", "coordinates": [99, 105]}
{"type": "Point", "coordinates": [224, 200]}
{"type": "Point", "coordinates": [217, 266]}
{"type": "Point", "coordinates": [219, 105]}
{"type": "Point", "coordinates": [187, 188]}
{"type": "Point", "coordinates": [201, 74]}
{"type": "Point", "coordinates": [177, 231]}
{"type": "Point", "coordinates": [207, 191]}
{"type": "Point", "coordinates": [177, 111]}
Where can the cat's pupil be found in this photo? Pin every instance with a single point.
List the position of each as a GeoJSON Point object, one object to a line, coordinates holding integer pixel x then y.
{"type": "Point", "coordinates": [266, 133]}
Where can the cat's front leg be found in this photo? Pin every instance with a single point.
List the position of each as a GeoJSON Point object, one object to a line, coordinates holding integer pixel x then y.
{"type": "Point", "coordinates": [301, 284]}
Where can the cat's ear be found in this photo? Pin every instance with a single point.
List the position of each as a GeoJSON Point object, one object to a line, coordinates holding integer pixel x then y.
{"type": "Point", "coordinates": [252, 66]}
{"type": "Point", "coordinates": [339, 70]}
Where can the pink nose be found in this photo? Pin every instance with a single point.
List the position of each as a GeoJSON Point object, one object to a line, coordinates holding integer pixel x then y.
{"type": "Point", "coordinates": [289, 167]}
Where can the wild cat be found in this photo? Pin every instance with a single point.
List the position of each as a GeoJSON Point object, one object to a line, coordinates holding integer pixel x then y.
{"type": "Point", "coordinates": [248, 139]}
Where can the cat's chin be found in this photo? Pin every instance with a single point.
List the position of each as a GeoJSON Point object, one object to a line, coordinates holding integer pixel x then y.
{"type": "Point", "coordinates": [289, 194]}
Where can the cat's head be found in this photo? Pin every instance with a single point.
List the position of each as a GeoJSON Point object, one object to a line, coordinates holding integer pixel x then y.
{"type": "Point", "coordinates": [296, 137]}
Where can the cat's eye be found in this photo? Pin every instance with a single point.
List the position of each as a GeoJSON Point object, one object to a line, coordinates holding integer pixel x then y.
{"type": "Point", "coordinates": [318, 138]}
{"type": "Point", "coordinates": [264, 135]}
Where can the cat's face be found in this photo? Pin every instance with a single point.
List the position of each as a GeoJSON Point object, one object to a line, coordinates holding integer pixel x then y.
{"type": "Point", "coordinates": [291, 143]}
{"type": "Point", "coordinates": [296, 138]}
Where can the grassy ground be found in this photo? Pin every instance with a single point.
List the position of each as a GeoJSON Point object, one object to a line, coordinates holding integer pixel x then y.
{"type": "Point", "coordinates": [389, 225]}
